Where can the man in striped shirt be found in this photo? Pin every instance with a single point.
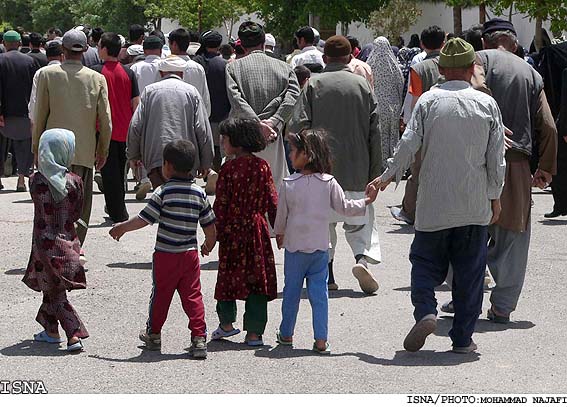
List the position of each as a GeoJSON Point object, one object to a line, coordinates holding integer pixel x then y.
{"type": "Point", "coordinates": [178, 206]}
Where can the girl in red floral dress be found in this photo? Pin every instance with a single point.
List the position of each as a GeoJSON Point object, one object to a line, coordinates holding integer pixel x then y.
{"type": "Point", "coordinates": [245, 193]}
{"type": "Point", "coordinates": [54, 265]}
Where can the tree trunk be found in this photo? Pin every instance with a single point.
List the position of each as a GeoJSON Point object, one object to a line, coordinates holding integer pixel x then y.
{"type": "Point", "coordinates": [539, 34]}
{"type": "Point", "coordinates": [457, 20]}
{"type": "Point", "coordinates": [200, 14]}
{"type": "Point", "coordinates": [482, 13]}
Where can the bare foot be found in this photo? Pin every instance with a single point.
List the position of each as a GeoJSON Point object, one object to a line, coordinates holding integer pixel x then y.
{"type": "Point", "coordinates": [73, 340]}
{"type": "Point", "coordinates": [321, 344]}
{"type": "Point", "coordinates": [251, 336]}
{"type": "Point", "coordinates": [54, 335]}
{"type": "Point", "coordinates": [227, 328]}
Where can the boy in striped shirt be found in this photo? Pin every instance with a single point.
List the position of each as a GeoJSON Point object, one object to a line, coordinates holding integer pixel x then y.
{"type": "Point", "coordinates": [178, 206]}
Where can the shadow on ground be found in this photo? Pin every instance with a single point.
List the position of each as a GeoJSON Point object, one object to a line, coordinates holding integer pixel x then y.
{"type": "Point", "coordinates": [342, 293]}
{"type": "Point", "coordinates": [30, 347]}
{"type": "Point", "coordinates": [131, 266]}
{"type": "Point", "coordinates": [552, 222]}
{"type": "Point", "coordinates": [445, 323]}
{"type": "Point", "coordinates": [15, 272]}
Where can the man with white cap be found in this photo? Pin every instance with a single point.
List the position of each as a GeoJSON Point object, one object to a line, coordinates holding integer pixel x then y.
{"type": "Point", "coordinates": [170, 109]}
{"type": "Point", "coordinates": [73, 97]}
{"type": "Point", "coordinates": [270, 45]}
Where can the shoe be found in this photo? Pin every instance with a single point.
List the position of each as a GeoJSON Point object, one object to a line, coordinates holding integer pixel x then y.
{"type": "Point", "coordinates": [98, 180]}
{"type": "Point", "coordinates": [421, 330]}
{"type": "Point", "coordinates": [44, 337]}
{"type": "Point", "coordinates": [400, 215]}
{"type": "Point", "coordinates": [282, 341]}
{"type": "Point", "coordinates": [82, 258]}
{"type": "Point", "coordinates": [365, 279]}
{"type": "Point", "coordinates": [143, 190]}
{"type": "Point", "coordinates": [21, 188]}
{"type": "Point", "coordinates": [152, 341]}
{"type": "Point", "coordinates": [499, 319]}
{"type": "Point", "coordinates": [332, 286]}
{"type": "Point", "coordinates": [465, 349]}
{"type": "Point", "coordinates": [448, 307]}
{"type": "Point", "coordinates": [75, 347]}
{"type": "Point", "coordinates": [554, 214]}
{"type": "Point", "coordinates": [220, 333]}
{"type": "Point", "coordinates": [198, 348]}
{"type": "Point", "coordinates": [255, 342]}
{"type": "Point", "coordinates": [326, 351]}
{"type": "Point", "coordinates": [211, 186]}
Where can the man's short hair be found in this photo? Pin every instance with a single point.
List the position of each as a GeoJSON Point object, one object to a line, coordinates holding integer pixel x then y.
{"type": "Point", "coordinates": [181, 38]}
{"type": "Point", "coordinates": [507, 39]}
{"type": "Point", "coordinates": [112, 43]}
{"type": "Point", "coordinates": [135, 32]}
{"type": "Point", "coordinates": [305, 33]}
{"type": "Point", "coordinates": [180, 154]}
{"type": "Point", "coordinates": [432, 37]}
{"type": "Point", "coordinates": [353, 42]}
{"type": "Point", "coordinates": [96, 33]}
{"type": "Point", "coordinates": [194, 36]}
{"type": "Point", "coordinates": [302, 72]}
{"type": "Point", "coordinates": [159, 33]}
{"type": "Point", "coordinates": [53, 49]}
{"type": "Point", "coordinates": [474, 37]}
{"type": "Point", "coordinates": [35, 39]}
{"type": "Point", "coordinates": [25, 40]}
{"type": "Point", "coordinates": [56, 31]}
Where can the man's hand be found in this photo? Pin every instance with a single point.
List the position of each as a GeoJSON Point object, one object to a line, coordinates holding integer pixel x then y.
{"type": "Point", "coordinates": [496, 210]}
{"type": "Point", "coordinates": [371, 194]}
{"type": "Point", "coordinates": [2, 121]}
{"type": "Point", "coordinates": [508, 142]}
{"type": "Point", "coordinates": [280, 241]}
{"type": "Point", "coordinates": [203, 172]}
{"type": "Point", "coordinates": [541, 179]}
{"type": "Point", "coordinates": [117, 231]}
{"type": "Point", "coordinates": [379, 184]}
{"type": "Point", "coordinates": [99, 162]}
{"type": "Point", "coordinates": [268, 131]}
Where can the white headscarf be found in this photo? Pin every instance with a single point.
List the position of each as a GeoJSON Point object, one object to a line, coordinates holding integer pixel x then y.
{"type": "Point", "coordinates": [55, 155]}
{"type": "Point", "coordinates": [388, 78]}
{"type": "Point", "coordinates": [172, 64]}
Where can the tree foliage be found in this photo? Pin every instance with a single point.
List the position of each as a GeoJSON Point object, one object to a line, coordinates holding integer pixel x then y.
{"type": "Point", "coordinates": [395, 19]}
{"type": "Point", "coordinates": [553, 10]}
{"type": "Point", "coordinates": [15, 13]}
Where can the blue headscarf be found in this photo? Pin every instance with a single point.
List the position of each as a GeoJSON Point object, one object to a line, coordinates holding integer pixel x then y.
{"type": "Point", "coordinates": [56, 153]}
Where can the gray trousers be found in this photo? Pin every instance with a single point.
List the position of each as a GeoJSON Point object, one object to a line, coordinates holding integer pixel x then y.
{"type": "Point", "coordinates": [82, 225]}
{"type": "Point", "coordinates": [507, 261]}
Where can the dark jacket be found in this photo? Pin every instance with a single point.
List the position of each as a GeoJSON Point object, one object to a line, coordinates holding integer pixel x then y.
{"type": "Point", "coordinates": [16, 79]}
{"type": "Point", "coordinates": [215, 71]}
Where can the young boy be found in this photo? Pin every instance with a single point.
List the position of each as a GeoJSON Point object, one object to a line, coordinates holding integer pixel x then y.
{"type": "Point", "coordinates": [177, 206]}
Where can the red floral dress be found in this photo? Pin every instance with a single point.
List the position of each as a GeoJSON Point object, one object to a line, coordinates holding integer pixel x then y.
{"type": "Point", "coordinates": [245, 193]}
{"type": "Point", "coordinates": [54, 261]}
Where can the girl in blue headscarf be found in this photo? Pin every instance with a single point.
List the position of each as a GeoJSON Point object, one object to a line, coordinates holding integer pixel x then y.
{"type": "Point", "coordinates": [54, 265]}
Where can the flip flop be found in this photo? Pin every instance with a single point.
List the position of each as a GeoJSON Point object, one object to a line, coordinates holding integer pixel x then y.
{"type": "Point", "coordinates": [77, 346]}
{"type": "Point", "coordinates": [220, 333]}
{"type": "Point", "coordinates": [326, 351]}
{"type": "Point", "coordinates": [43, 337]}
{"type": "Point", "coordinates": [282, 341]}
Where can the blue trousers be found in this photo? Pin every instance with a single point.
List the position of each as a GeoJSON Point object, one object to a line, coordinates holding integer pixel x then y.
{"type": "Point", "coordinates": [431, 252]}
{"type": "Point", "coordinates": [312, 267]}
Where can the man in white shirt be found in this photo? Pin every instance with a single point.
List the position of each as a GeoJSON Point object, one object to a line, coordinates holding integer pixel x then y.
{"type": "Point", "coordinates": [309, 53]}
{"type": "Point", "coordinates": [194, 73]}
{"type": "Point", "coordinates": [54, 53]}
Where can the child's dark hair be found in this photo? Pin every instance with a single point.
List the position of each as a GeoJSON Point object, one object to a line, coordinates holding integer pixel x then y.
{"type": "Point", "coordinates": [181, 154]}
{"type": "Point", "coordinates": [314, 144]}
{"type": "Point", "coordinates": [243, 133]}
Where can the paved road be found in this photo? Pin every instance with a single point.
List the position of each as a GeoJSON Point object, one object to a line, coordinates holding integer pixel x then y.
{"type": "Point", "coordinates": [366, 332]}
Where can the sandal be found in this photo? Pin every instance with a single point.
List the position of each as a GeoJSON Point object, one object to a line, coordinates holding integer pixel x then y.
{"type": "Point", "coordinates": [77, 346]}
{"type": "Point", "coordinates": [220, 333]}
{"type": "Point", "coordinates": [499, 319]}
{"type": "Point", "coordinates": [326, 351]}
{"type": "Point", "coordinates": [255, 342]}
{"type": "Point", "coordinates": [44, 337]}
{"type": "Point", "coordinates": [282, 341]}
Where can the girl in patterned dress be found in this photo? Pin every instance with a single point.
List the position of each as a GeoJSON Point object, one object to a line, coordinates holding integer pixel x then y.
{"type": "Point", "coordinates": [54, 265]}
{"type": "Point", "coordinates": [245, 193]}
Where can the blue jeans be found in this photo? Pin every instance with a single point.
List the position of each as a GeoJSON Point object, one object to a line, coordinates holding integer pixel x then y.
{"type": "Point", "coordinates": [314, 268]}
{"type": "Point", "coordinates": [431, 252]}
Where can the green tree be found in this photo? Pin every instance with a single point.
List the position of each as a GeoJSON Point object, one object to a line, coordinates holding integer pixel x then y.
{"type": "Point", "coordinates": [111, 15]}
{"type": "Point", "coordinates": [16, 13]}
{"type": "Point", "coordinates": [394, 19]}
{"type": "Point", "coordinates": [52, 13]}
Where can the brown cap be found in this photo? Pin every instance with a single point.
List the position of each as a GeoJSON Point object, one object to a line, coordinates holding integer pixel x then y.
{"type": "Point", "coordinates": [337, 46]}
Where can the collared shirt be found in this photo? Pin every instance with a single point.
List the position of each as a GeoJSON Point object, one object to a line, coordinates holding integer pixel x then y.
{"type": "Point", "coordinates": [308, 55]}
{"type": "Point", "coordinates": [363, 69]}
{"type": "Point", "coordinates": [169, 109]}
{"type": "Point", "coordinates": [304, 210]}
{"type": "Point", "coordinates": [74, 97]}
{"type": "Point", "coordinates": [178, 205]}
{"type": "Point", "coordinates": [195, 75]}
{"type": "Point", "coordinates": [461, 136]}
{"type": "Point", "coordinates": [147, 71]}
{"type": "Point", "coordinates": [33, 95]}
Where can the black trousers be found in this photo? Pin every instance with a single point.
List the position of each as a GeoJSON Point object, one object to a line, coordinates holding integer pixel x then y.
{"type": "Point", "coordinates": [113, 174]}
{"type": "Point", "coordinates": [559, 184]}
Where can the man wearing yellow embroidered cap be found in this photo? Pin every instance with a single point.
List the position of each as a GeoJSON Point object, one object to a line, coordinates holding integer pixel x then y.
{"type": "Point", "coordinates": [461, 136]}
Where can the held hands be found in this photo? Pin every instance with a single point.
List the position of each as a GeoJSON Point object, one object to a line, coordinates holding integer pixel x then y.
{"type": "Point", "coordinates": [496, 210]}
{"type": "Point", "coordinates": [203, 172]}
{"type": "Point", "coordinates": [371, 194]}
{"type": "Point", "coordinates": [117, 231]}
{"type": "Point", "coordinates": [280, 241]}
{"type": "Point", "coordinates": [378, 184]}
{"type": "Point", "coordinates": [268, 131]}
{"type": "Point", "coordinates": [507, 141]}
{"type": "Point", "coordinates": [207, 248]}
{"type": "Point", "coordinates": [541, 179]}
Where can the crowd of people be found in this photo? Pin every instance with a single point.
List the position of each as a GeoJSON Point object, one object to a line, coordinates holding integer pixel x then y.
{"type": "Point", "coordinates": [290, 146]}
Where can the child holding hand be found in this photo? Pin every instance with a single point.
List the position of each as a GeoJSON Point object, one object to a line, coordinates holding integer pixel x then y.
{"type": "Point", "coordinates": [302, 228]}
{"type": "Point", "coordinates": [178, 205]}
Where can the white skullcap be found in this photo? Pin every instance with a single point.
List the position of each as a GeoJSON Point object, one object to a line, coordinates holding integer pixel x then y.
{"type": "Point", "coordinates": [172, 64]}
{"type": "Point", "coordinates": [135, 50]}
{"type": "Point", "coordinates": [270, 40]}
